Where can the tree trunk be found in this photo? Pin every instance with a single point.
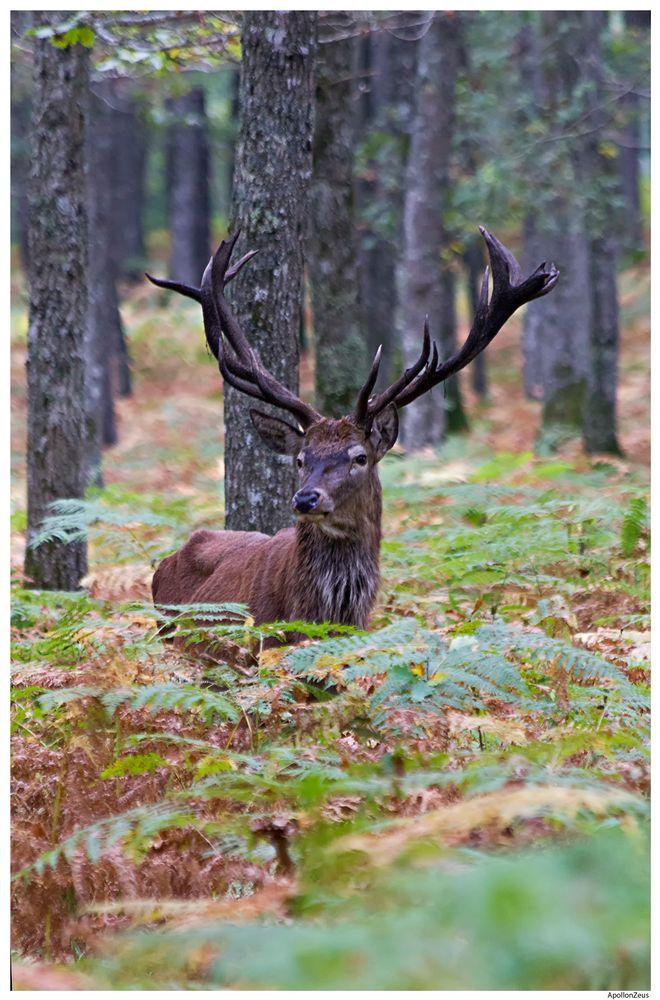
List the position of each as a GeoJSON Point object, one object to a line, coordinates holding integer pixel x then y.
{"type": "Point", "coordinates": [341, 356]}
{"type": "Point", "coordinates": [271, 199]}
{"type": "Point", "coordinates": [474, 267]}
{"type": "Point", "coordinates": [638, 22]}
{"type": "Point", "coordinates": [422, 288]}
{"type": "Point", "coordinates": [58, 302]}
{"type": "Point", "coordinates": [599, 431]}
{"type": "Point", "coordinates": [564, 320]}
{"type": "Point", "coordinates": [129, 181]}
{"type": "Point", "coordinates": [189, 192]}
{"type": "Point", "coordinates": [532, 322]}
{"type": "Point", "coordinates": [600, 179]}
{"type": "Point", "coordinates": [386, 71]}
{"type": "Point", "coordinates": [104, 332]}
{"type": "Point", "coordinates": [557, 327]}
{"type": "Point", "coordinates": [456, 420]}
{"type": "Point", "coordinates": [20, 151]}
{"type": "Point", "coordinates": [530, 68]}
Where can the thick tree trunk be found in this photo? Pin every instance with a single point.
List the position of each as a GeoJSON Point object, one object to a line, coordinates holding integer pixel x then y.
{"type": "Point", "coordinates": [58, 303]}
{"type": "Point", "coordinates": [271, 199]}
{"type": "Point", "coordinates": [341, 354]}
{"type": "Point", "coordinates": [189, 192]}
{"type": "Point", "coordinates": [422, 288]}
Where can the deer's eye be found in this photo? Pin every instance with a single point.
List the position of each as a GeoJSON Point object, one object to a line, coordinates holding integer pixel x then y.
{"type": "Point", "coordinates": [360, 459]}
{"type": "Point", "coordinates": [300, 462]}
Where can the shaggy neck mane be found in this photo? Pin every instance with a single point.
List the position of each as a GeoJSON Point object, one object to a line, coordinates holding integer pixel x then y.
{"type": "Point", "coordinates": [339, 566]}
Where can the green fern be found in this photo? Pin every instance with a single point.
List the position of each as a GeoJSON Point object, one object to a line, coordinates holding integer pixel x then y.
{"type": "Point", "coordinates": [137, 828]}
{"type": "Point", "coordinates": [635, 521]}
{"type": "Point", "coordinates": [208, 704]}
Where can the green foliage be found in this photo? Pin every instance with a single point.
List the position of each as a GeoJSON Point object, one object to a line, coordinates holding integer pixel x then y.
{"type": "Point", "coordinates": [576, 914]}
{"type": "Point", "coordinates": [470, 698]}
{"type": "Point", "coordinates": [154, 697]}
{"type": "Point", "coordinates": [139, 827]}
{"type": "Point", "coordinates": [635, 522]}
{"type": "Point", "coordinates": [139, 763]}
{"type": "Point", "coordinates": [115, 521]}
{"type": "Point", "coordinates": [65, 34]}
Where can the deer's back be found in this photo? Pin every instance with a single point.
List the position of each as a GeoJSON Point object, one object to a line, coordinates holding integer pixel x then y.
{"type": "Point", "coordinates": [216, 567]}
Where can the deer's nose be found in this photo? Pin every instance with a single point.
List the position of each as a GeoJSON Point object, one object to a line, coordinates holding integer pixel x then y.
{"type": "Point", "coordinates": [306, 500]}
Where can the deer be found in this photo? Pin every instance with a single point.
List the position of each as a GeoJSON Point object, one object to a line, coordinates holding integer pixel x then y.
{"type": "Point", "coordinates": [326, 567]}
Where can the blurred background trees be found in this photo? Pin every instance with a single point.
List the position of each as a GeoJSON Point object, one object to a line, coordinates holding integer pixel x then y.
{"type": "Point", "coordinates": [535, 124]}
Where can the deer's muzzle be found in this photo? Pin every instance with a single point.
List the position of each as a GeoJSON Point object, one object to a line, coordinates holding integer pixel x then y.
{"type": "Point", "coordinates": [305, 501]}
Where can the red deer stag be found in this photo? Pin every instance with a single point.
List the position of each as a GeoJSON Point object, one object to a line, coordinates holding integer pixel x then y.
{"type": "Point", "coordinates": [326, 568]}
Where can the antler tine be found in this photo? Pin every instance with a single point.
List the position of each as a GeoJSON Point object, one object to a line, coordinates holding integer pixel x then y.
{"type": "Point", "coordinates": [247, 364]}
{"type": "Point", "coordinates": [235, 268]}
{"type": "Point", "coordinates": [219, 276]}
{"type": "Point", "coordinates": [237, 375]}
{"type": "Point", "coordinates": [175, 286]}
{"type": "Point", "coordinates": [509, 293]}
{"type": "Point", "coordinates": [361, 406]}
{"type": "Point", "coordinates": [189, 290]}
{"type": "Point", "coordinates": [505, 266]}
{"type": "Point", "coordinates": [242, 369]}
{"type": "Point", "coordinates": [383, 399]}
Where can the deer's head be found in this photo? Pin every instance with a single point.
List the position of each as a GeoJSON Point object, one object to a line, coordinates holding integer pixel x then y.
{"type": "Point", "coordinates": [337, 458]}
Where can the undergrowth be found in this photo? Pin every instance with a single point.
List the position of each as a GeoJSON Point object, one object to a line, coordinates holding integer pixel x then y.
{"type": "Point", "coordinates": [456, 798]}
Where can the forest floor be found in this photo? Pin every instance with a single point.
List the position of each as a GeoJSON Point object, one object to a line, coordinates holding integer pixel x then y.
{"type": "Point", "coordinates": [477, 776]}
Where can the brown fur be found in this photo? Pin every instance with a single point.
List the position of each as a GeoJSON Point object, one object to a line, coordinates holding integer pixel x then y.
{"type": "Point", "coordinates": [324, 569]}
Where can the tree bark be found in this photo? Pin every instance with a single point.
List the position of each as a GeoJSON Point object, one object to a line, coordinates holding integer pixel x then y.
{"type": "Point", "coordinates": [638, 23]}
{"type": "Point", "coordinates": [601, 180]}
{"type": "Point", "coordinates": [387, 67]}
{"type": "Point", "coordinates": [58, 303]}
{"type": "Point", "coordinates": [425, 288]}
{"type": "Point", "coordinates": [129, 182]}
{"type": "Point", "coordinates": [473, 260]}
{"type": "Point", "coordinates": [600, 422]}
{"type": "Point", "coordinates": [530, 68]}
{"type": "Point", "coordinates": [271, 198]}
{"type": "Point", "coordinates": [564, 320]}
{"type": "Point", "coordinates": [341, 355]}
{"type": "Point", "coordinates": [189, 193]}
{"type": "Point", "coordinates": [557, 328]}
{"type": "Point", "coordinates": [532, 322]}
{"type": "Point", "coordinates": [20, 141]}
{"type": "Point", "coordinates": [104, 332]}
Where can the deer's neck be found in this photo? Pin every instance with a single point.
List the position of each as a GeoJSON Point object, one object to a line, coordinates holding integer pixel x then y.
{"type": "Point", "coordinates": [339, 564]}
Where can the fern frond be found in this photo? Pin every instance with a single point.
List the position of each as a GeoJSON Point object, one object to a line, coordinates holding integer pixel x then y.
{"type": "Point", "coordinates": [154, 697]}
{"type": "Point", "coordinates": [635, 521]}
{"type": "Point", "coordinates": [137, 825]}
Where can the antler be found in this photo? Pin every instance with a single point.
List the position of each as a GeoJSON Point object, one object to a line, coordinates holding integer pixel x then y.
{"type": "Point", "coordinates": [509, 293]}
{"type": "Point", "coordinates": [240, 366]}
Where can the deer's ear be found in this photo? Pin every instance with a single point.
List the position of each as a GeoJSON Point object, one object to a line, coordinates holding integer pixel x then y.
{"type": "Point", "coordinates": [385, 431]}
{"type": "Point", "coordinates": [277, 434]}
